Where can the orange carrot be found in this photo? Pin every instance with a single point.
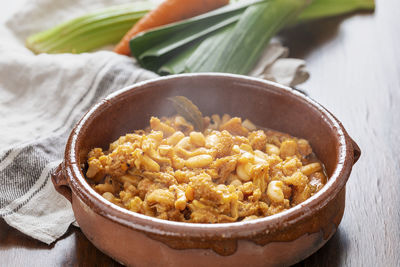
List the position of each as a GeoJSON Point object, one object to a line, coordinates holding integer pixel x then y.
{"type": "Point", "coordinates": [167, 12]}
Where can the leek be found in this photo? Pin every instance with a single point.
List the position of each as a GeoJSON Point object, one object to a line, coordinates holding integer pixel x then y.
{"type": "Point", "coordinates": [328, 8]}
{"type": "Point", "coordinates": [177, 64]}
{"type": "Point", "coordinates": [152, 58]}
{"type": "Point", "coordinates": [229, 48]}
{"type": "Point", "coordinates": [178, 47]}
{"type": "Point", "coordinates": [239, 48]}
{"type": "Point", "coordinates": [94, 30]}
{"type": "Point", "coordinates": [141, 42]}
{"type": "Point", "coordinates": [153, 47]}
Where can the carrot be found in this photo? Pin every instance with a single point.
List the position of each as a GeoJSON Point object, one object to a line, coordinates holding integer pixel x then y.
{"type": "Point", "coordinates": [167, 12]}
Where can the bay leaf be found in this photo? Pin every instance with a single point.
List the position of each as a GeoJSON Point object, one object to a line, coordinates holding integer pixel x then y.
{"type": "Point", "coordinates": [189, 111]}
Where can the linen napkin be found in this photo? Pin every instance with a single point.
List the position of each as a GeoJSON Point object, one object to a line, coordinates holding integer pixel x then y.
{"type": "Point", "coordinates": [43, 96]}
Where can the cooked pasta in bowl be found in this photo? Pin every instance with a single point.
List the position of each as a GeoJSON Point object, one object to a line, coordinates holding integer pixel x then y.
{"type": "Point", "coordinates": [231, 171]}
{"type": "Point", "coordinates": [254, 175]}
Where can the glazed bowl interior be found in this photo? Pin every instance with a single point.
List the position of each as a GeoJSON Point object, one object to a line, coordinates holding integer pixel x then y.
{"type": "Point", "coordinates": [266, 104]}
{"type": "Point", "coordinates": [284, 110]}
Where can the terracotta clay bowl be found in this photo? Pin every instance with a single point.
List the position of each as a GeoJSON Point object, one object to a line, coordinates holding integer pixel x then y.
{"type": "Point", "coordinates": [139, 240]}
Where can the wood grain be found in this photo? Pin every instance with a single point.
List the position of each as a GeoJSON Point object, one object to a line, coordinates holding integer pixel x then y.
{"type": "Point", "coordinates": [355, 66]}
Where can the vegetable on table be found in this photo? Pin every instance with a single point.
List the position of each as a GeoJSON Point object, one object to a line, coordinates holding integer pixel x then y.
{"type": "Point", "coordinates": [167, 12]}
{"type": "Point", "coordinates": [90, 31]}
{"type": "Point", "coordinates": [237, 38]}
{"type": "Point", "coordinates": [239, 48]}
{"type": "Point", "coordinates": [328, 8]}
{"type": "Point", "coordinates": [156, 47]}
{"type": "Point", "coordinates": [227, 39]}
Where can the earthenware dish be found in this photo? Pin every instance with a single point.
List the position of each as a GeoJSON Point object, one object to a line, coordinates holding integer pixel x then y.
{"type": "Point", "coordinates": [139, 240]}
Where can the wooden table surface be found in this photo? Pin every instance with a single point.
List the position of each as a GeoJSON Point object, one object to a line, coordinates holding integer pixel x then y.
{"type": "Point", "coordinates": [355, 73]}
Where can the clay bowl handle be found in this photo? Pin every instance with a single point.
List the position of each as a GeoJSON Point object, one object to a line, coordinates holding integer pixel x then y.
{"type": "Point", "coordinates": [60, 182]}
{"type": "Point", "coordinates": [356, 150]}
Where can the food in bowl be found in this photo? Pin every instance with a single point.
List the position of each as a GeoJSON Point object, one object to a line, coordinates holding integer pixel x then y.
{"type": "Point", "coordinates": [230, 171]}
{"type": "Point", "coordinates": [279, 240]}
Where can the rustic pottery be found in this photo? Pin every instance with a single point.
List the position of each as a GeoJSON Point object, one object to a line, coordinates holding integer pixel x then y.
{"type": "Point", "coordinates": [138, 240]}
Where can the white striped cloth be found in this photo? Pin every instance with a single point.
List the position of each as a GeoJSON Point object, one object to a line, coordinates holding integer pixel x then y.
{"type": "Point", "coordinates": [43, 96]}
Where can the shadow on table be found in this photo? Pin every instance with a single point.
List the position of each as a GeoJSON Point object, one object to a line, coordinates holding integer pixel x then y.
{"type": "Point", "coordinates": [331, 254]}
{"type": "Point", "coordinates": [12, 238]}
{"type": "Point", "coordinates": [86, 252]}
{"type": "Point", "coordinates": [307, 37]}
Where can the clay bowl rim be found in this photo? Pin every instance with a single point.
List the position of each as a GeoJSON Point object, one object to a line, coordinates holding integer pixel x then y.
{"type": "Point", "coordinates": [157, 226]}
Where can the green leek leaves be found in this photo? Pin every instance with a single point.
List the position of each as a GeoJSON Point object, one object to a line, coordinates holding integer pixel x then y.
{"type": "Point", "coordinates": [229, 39]}
{"type": "Point", "coordinates": [94, 30]}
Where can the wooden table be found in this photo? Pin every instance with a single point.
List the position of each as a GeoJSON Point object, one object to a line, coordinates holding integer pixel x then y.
{"type": "Point", "coordinates": [355, 72]}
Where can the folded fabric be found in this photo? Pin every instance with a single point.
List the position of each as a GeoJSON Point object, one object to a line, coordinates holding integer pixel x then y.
{"type": "Point", "coordinates": [43, 96]}
{"type": "Point", "coordinates": [274, 65]}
